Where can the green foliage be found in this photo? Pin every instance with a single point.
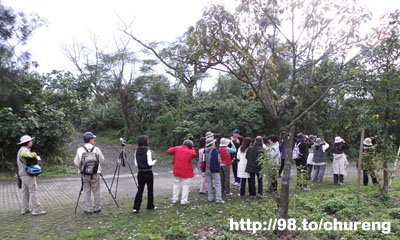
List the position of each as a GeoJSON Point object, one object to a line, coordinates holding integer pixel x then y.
{"type": "Point", "coordinates": [336, 204]}
{"type": "Point", "coordinates": [177, 232]}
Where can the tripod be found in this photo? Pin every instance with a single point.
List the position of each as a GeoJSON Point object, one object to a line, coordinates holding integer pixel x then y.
{"type": "Point", "coordinates": [121, 161]}
{"type": "Point", "coordinates": [80, 192]}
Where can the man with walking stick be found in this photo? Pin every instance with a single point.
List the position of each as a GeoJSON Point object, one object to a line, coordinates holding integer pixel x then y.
{"type": "Point", "coordinates": [88, 159]}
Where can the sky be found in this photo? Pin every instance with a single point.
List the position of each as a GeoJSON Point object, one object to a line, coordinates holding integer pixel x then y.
{"type": "Point", "coordinates": [153, 20]}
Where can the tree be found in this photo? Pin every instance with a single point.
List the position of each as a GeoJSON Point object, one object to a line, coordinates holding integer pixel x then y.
{"type": "Point", "coordinates": [286, 51]}
{"type": "Point", "coordinates": [382, 66]}
{"type": "Point", "coordinates": [183, 59]}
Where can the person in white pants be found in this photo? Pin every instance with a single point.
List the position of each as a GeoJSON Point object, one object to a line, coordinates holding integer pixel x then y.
{"type": "Point", "coordinates": [182, 169]}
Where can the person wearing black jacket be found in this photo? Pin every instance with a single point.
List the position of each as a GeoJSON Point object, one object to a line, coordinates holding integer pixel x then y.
{"type": "Point", "coordinates": [144, 162]}
{"type": "Point", "coordinates": [253, 167]}
{"type": "Point", "coordinates": [237, 140]}
{"type": "Point", "coordinates": [301, 160]}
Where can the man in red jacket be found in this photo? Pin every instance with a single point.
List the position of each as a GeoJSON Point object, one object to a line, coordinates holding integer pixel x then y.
{"type": "Point", "coordinates": [182, 169]}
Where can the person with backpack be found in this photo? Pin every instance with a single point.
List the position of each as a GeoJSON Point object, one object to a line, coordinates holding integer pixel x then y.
{"type": "Point", "coordinates": [88, 159]}
{"type": "Point", "coordinates": [182, 169]}
{"type": "Point", "coordinates": [253, 167]}
{"type": "Point", "coordinates": [144, 162]}
{"type": "Point", "coordinates": [319, 159]}
{"type": "Point", "coordinates": [211, 168]}
{"type": "Point", "coordinates": [340, 162]}
{"type": "Point", "coordinates": [242, 174]}
{"type": "Point", "coordinates": [300, 154]}
{"type": "Point", "coordinates": [25, 159]}
{"type": "Point", "coordinates": [226, 162]}
{"type": "Point", "coordinates": [368, 164]}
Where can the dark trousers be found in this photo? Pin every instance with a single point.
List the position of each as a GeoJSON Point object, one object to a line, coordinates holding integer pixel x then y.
{"type": "Point", "coordinates": [373, 177]}
{"type": "Point", "coordinates": [282, 166]}
{"type": "Point", "coordinates": [243, 186]}
{"type": "Point", "coordinates": [144, 178]}
{"type": "Point", "coordinates": [234, 169]}
{"type": "Point", "coordinates": [252, 184]}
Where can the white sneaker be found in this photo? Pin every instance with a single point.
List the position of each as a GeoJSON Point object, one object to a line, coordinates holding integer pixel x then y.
{"type": "Point", "coordinates": [185, 203]}
{"type": "Point", "coordinates": [220, 201]}
{"type": "Point", "coordinates": [135, 211]}
{"type": "Point", "coordinates": [174, 202]}
{"type": "Point", "coordinates": [25, 211]}
{"type": "Point", "coordinates": [38, 212]}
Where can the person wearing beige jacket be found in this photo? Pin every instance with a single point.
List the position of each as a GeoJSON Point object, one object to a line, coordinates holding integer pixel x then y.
{"type": "Point", "coordinates": [91, 183]}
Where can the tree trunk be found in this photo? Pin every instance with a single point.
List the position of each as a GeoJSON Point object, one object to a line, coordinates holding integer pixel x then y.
{"type": "Point", "coordinates": [360, 152]}
{"type": "Point", "coordinates": [189, 92]}
{"type": "Point", "coordinates": [283, 208]}
{"type": "Point", "coordinates": [385, 187]}
{"type": "Point", "coordinates": [125, 113]}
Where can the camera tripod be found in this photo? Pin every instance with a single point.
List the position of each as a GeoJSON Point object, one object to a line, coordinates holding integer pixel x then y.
{"type": "Point", "coordinates": [80, 192]}
{"type": "Point", "coordinates": [121, 162]}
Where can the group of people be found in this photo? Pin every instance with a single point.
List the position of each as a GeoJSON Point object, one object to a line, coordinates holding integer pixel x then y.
{"type": "Point", "coordinates": [237, 153]}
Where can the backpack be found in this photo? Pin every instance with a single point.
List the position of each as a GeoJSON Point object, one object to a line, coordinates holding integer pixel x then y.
{"type": "Point", "coordinates": [296, 151]}
{"type": "Point", "coordinates": [90, 162]}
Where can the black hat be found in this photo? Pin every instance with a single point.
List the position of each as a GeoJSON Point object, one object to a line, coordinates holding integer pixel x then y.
{"type": "Point", "coordinates": [236, 131]}
{"type": "Point", "coordinates": [87, 136]}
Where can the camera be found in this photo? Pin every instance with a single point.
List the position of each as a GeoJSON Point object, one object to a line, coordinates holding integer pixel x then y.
{"type": "Point", "coordinates": [122, 142]}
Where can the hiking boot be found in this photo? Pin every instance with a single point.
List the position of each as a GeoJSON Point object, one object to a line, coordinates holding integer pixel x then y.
{"type": "Point", "coordinates": [97, 211]}
{"type": "Point", "coordinates": [25, 211]}
{"type": "Point", "coordinates": [220, 201]}
{"type": "Point", "coordinates": [88, 212]}
{"type": "Point", "coordinates": [38, 212]}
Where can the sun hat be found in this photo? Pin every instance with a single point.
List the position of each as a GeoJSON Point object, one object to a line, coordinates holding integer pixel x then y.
{"type": "Point", "coordinates": [367, 142]}
{"type": "Point", "coordinates": [319, 142]}
{"type": "Point", "coordinates": [338, 140]}
{"type": "Point", "coordinates": [210, 141]}
{"type": "Point", "coordinates": [224, 142]}
{"type": "Point", "coordinates": [25, 139]}
{"type": "Point", "coordinates": [209, 134]}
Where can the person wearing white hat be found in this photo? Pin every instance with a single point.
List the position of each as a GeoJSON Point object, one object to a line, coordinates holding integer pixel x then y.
{"type": "Point", "coordinates": [226, 162]}
{"type": "Point", "coordinates": [368, 164]}
{"type": "Point", "coordinates": [29, 183]}
{"type": "Point", "coordinates": [340, 162]}
{"type": "Point", "coordinates": [319, 159]}
{"type": "Point", "coordinates": [91, 183]}
{"type": "Point", "coordinates": [212, 160]}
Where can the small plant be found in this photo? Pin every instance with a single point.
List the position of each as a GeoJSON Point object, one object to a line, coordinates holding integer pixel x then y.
{"type": "Point", "coordinates": [176, 232]}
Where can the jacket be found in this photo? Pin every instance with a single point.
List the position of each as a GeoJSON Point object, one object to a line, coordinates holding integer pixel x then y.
{"type": "Point", "coordinates": [212, 160]}
{"type": "Point", "coordinates": [143, 159]}
{"type": "Point", "coordinates": [241, 173]}
{"type": "Point", "coordinates": [253, 165]}
{"type": "Point", "coordinates": [81, 150]}
{"type": "Point", "coordinates": [182, 161]}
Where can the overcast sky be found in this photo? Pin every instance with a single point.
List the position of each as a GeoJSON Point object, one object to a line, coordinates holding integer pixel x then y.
{"type": "Point", "coordinates": [154, 20]}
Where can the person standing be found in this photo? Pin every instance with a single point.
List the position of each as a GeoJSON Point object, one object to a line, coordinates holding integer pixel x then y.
{"type": "Point", "coordinates": [29, 182]}
{"type": "Point", "coordinates": [182, 169]}
{"type": "Point", "coordinates": [339, 161]}
{"type": "Point", "coordinates": [226, 163]}
{"type": "Point", "coordinates": [368, 164]}
{"type": "Point", "coordinates": [212, 160]}
{"type": "Point", "coordinates": [275, 157]}
{"type": "Point", "coordinates": [90, 182]}
{"type": "Point", "coordinates": [237, 140]}
{"type": "Point", "coordinates": [253, 167]}
{"type": "Point", "coordinates": [200, 164]}
{"type": "Point", "coordinates": [300, 154]}
{"type": "Point", "coordinates": [310, 156]}
{"type": "Point", "coordinates": [144, 162]}
{"type": "Point", "coordinates": [319, 159]}
{"type": "Point", "coordinates": [242, 174]}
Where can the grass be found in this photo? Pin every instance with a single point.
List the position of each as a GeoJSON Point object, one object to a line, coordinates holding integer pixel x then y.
{"type": "Point", "coordinates": [203, 220]}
